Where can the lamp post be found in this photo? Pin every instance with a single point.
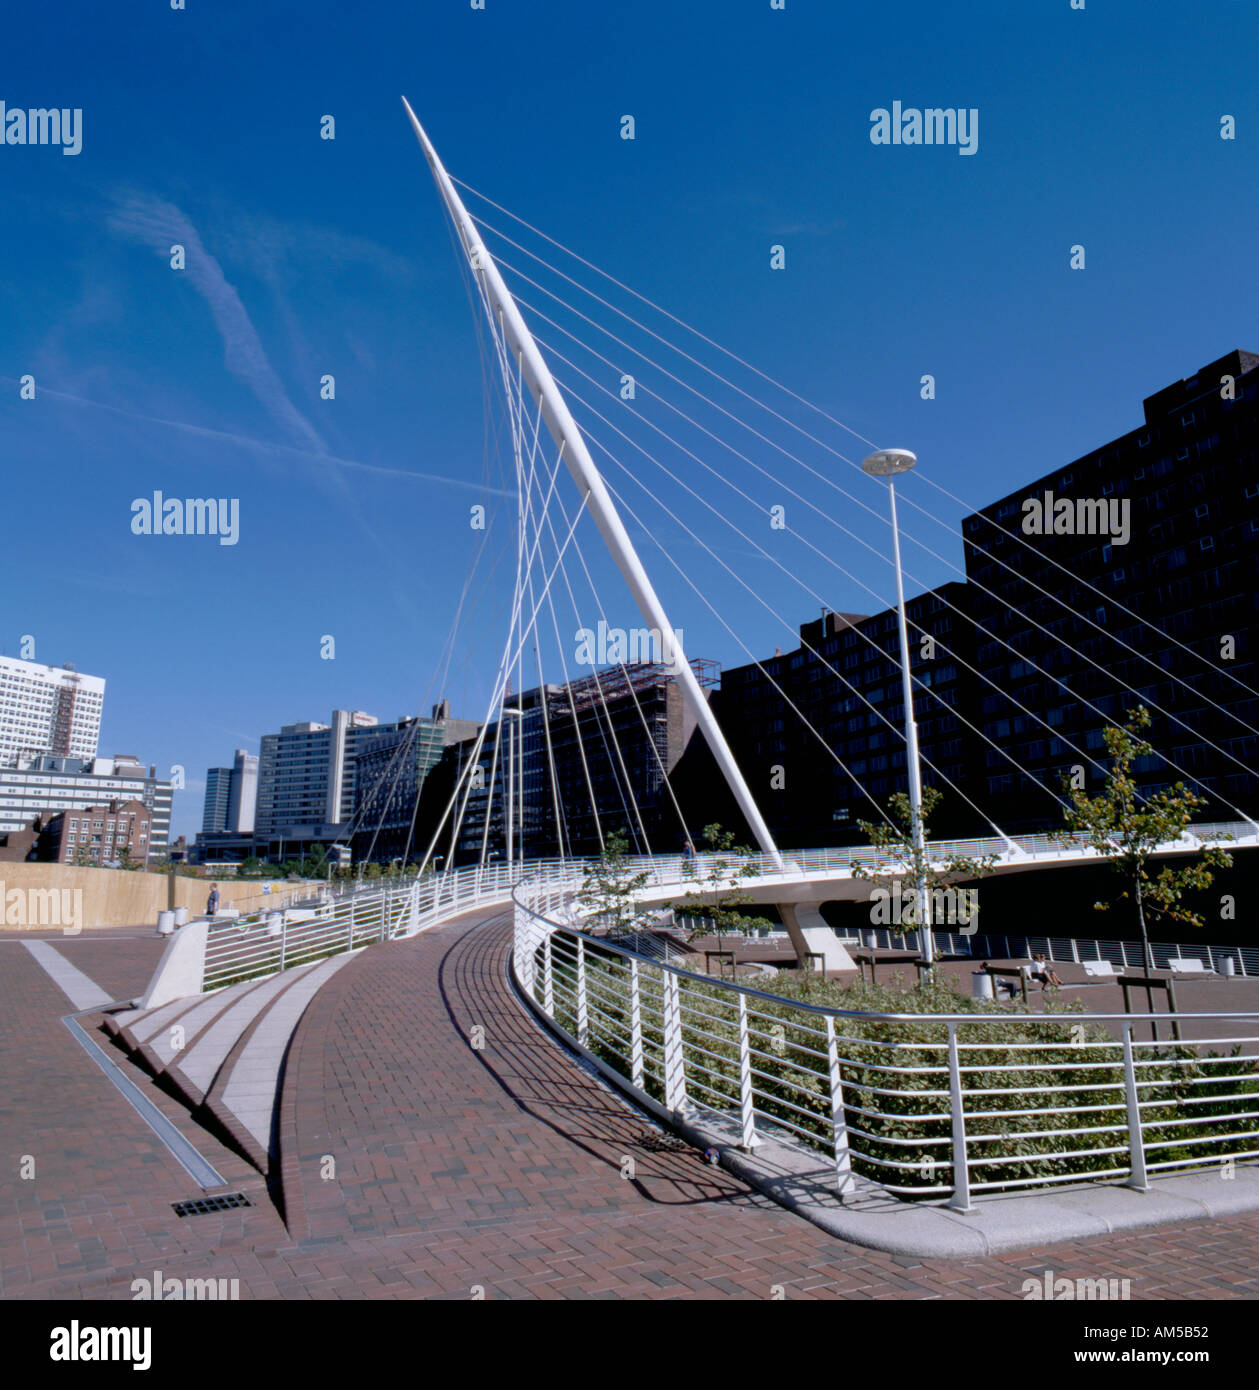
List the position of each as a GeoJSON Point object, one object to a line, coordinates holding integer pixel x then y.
{"type": "Point", "coordinates": [887, 463]}
{"type": "Point", "coordinates": [511, 780]}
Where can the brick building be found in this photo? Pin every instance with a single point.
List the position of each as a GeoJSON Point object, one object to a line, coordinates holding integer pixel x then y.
{"type": "Point", "coordinates": [98, 835]}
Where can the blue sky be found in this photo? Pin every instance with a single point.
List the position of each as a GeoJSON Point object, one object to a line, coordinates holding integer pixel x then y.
{"type": "Point", "coordinates": [309, 256]}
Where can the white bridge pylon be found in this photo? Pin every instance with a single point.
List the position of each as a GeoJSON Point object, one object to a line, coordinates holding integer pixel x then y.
{"type": "Point", "coordinates": [594, 493]}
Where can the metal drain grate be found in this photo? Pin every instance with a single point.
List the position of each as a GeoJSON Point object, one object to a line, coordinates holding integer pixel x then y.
{"type": "Point", "coordinates": [203, 1205]}
{"type": "Point", "coordinates": [662, 1143]}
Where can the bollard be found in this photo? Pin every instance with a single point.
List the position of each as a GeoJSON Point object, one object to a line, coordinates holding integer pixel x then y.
{"type": "Point", "coordinates": [165, 922]}
{"type": "Point", "coordinates": [980, 985]}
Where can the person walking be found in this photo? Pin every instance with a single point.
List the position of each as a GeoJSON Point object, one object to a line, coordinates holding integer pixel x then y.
{"type": "Point", "coordinates": [212, 902]}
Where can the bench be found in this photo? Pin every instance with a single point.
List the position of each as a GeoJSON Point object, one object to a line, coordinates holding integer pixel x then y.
{"type": "Point", "coordinates": [1182, 966]}
{"type": "Point", "coordinates": [1016, 978]}
{"type": "Point", "coordinates": [1103, 968]}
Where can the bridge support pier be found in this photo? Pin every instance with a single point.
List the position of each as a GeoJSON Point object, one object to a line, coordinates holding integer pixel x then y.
{"type": "Point", "coordinates": [810, 934]}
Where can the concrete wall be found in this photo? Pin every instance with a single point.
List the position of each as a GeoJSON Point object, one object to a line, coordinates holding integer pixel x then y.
{"type": "Point", "coordinates": [120, 898]}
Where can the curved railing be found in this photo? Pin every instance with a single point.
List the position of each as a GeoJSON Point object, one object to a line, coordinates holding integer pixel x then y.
{"type": "Point", "coordinates": [214, 953]}
{"type": "Point", "coordinates": [930, 1106]}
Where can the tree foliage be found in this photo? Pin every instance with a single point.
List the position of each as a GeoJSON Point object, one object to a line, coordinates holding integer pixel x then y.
{"type": "Point", "coordinates": [608, 892]}
{"type": "Point", "coordinates": [898, 857]}
{"type": "Point", "coordinates": [716, 902]}
{"type": "Point", "coordinates": [1129, 826]}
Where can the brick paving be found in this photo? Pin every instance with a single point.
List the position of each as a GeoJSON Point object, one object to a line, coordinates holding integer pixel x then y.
{"type": "Point", "coordinates": [455, 1167]}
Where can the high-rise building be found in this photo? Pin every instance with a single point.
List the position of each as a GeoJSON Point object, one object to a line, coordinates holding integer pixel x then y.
{"type": "Point", "coordinates": [818, 731]}
{"type": "Point", "coordinates": [218, 793]}
{"type": "Point", "coordinates": [50, 711]}
{"type": "Point", "coordinates": [44, 785]}
{"type": "Point", "coordinates": [393, 764]}
{"type": "Point", "coordinates": [231, 795]}
{"type": "Point", "coordinates": [597, 754]}
{"type": "Point", "coordinates": [307, 775]}
{"type": "Point", "coordinates": [1128, 577]}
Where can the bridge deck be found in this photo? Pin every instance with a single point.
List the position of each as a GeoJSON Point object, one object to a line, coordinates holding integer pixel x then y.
{"type": "Point", "coordinates": [455, 1167]}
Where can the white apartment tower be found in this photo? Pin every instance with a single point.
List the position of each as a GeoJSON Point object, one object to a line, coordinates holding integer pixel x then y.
{"type": "Point", "coordinates": [47, 711]}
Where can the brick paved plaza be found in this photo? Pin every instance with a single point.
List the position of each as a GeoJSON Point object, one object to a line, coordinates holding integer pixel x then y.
{"type": "Point", "coordinates": [455, 1167]}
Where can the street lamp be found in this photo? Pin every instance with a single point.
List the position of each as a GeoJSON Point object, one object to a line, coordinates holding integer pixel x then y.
{"type": "Point", "coordinates": [887, 463]}
{"type": "Point", "coordinates": [517, 713]}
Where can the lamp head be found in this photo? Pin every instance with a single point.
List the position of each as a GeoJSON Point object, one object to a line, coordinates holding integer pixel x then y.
{"type": "Point", "coordinates": [886, 463]}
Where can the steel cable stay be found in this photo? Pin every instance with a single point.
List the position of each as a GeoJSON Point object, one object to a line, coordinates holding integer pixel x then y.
{"type": "Point", "coordinates": [829, 559]}
{"type": "Point", "coordinates": [816, 409]}
{"type": "Point", "coordinates": [830, 519]}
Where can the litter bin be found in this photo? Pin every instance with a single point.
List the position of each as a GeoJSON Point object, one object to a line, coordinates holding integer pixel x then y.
{"type": "Point", "coordinates": [165, 923]}
{"type": "Point", "coordinates": [1228, 966]}
{"type": "Point", "coordinates": [980, 985]}
{"type": "Point", "coordinates": [181, 916]}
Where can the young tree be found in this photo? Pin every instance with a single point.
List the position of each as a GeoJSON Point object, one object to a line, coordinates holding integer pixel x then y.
{"type": "Point", "coordinates": [899, 859]}
{"type": "Point", "coordinates": [127, 860]}
{"type": "Point", "coordinates": [1114, 824]}
{"type": "Point", "coordinates": [716, 902]}
{"type": "Point", "coordinates": [607, 892]}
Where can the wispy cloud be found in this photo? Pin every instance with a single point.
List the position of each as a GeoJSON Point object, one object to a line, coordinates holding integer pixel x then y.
{"type": "Point", "coordinates": [271, 448]}
{"type": "Point", "coordinates": [156, 223]}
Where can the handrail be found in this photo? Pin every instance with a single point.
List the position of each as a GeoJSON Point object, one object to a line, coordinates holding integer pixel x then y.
{"type": "Point", "coordinates": [1018, 1100]}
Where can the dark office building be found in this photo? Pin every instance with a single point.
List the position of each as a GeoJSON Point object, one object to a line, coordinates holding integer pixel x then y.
{"type": "Point", "coordinates": [1130, 576]}
{"type": "Point", "coordinates": [1143, 556]}
{"type": "Point", "coordinates": [602, 749]}
{"type": "Point", "coordinates": [818, 730]}
{"type": "Point", "coordinates": [393, 761]}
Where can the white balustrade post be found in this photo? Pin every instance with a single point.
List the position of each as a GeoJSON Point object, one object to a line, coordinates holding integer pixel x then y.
{"type": "Point", "coordinates": [844, 1181]}
{"type": "Point", "coordinates": [747, 1114]}
{"type": "Point", "coordinates": [350, 928]}
{"type": "Point", "coordinates": [960, 1201]}
{"type": "Point", "coordinates": [284, 937]}
{"type": "Point", "coordinates": [674, 1057]}
{"type": "Point", "coordinates": [1136, 1140]}
{"type": "Point", "coordinates": [583, 1022]}
{"type": "Point", "coordinates": [548, 977]}
{"type": "Point", "coordinates": [636, 1028]}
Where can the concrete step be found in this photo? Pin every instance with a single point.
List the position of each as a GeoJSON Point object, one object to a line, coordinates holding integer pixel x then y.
{"type": "Point", "coordinates": [194, 1069]}
{"type": "Point", "coordinates": [155, 1041]}
{"type": "Point", "coordinates": [246, 1091]}
{"type": "Point", "coordinates": [145, 1024]}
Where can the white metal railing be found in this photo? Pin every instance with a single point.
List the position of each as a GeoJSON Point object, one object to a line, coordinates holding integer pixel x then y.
{"type": "Point", "coordinates": [277, 936]}
{"type": "Point", "coordinates": [932, 1106]}
{"type": "Point", "coordinates": [265, 942]}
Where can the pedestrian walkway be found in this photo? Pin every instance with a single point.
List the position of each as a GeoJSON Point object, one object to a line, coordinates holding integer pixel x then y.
{"type": "Point", "coordinates": [416, 1163]}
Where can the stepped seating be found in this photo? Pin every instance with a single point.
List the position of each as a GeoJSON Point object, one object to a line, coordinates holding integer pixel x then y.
{"type": "Point", "coordinates": [222, 1053]}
